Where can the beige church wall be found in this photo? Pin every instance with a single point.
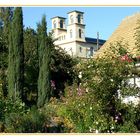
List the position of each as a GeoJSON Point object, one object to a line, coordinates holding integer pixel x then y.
{"type": "Point", "coordinates": [74, 14]}
{"type": "Point", "coordinates": [85, 49]}
{"type": "Point", "coordinates": [61, 38]}
{"type": "Point", "coordinates": [59, 32]}
{"type": "Point", "coordinates": [69, 28]}
{"type": "Point", "coordinates": [57, 20]}
{"type": "Point", "coordinates": [70, 48]}
{"type": "Point", "coordinates": [83, 33]}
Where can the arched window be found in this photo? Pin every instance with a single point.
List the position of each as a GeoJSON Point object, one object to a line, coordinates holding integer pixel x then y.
{"type": "Point", "coordinates": [80, 33]}
{"type": "Point", "coordinates": [79, 18]}
{"type": "Point", "coordinates": [91, 51]}
{"type": "Point", "coordinates": [80, 49]}
{"type": "Point", "coordinates": [70, 33]}
{"type": "Point", "coordinates": [54, 24]}
{"type": "Point", "coordinates": [61, 23]}
{"type": "Point", "coordinates": [71, 19]}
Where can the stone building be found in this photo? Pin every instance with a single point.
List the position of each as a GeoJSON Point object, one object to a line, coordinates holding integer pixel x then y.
{"type": "Point", "coordinates": [71, 36]}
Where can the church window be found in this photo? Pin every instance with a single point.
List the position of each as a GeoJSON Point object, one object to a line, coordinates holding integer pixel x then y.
{"type": "Point", "coordinates": [80, 33]}
{"type": "Point", "coordinates": [79, 18]}
{"type": "Point", "coordinates": [61, 23]}
{"type": "Point", "coordinates": [91, 51]}
{"type": "Point", "coordinates": [70, 33]}
{"type": "Point", "coordinates": [54, 24]}
{"type": "Point", "coordinates": [71, 19]}
{"type": "Point", "coordinates": [80, 49]}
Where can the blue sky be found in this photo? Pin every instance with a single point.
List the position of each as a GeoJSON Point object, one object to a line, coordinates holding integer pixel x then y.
{"type": "Point", "coordinates": [97, 19]}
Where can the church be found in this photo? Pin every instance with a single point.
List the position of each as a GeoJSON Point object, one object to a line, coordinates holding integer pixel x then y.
{"type": "Point", "coordinates": [71, 37]}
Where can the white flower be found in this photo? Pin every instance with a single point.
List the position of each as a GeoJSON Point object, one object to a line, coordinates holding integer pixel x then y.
{"type": "Point", "coordinates": [86, 89]}
{"type": "Point", "coordinates": [97, 123]}
{"type": "Point", "coordinates": [80, 76]}
{"type": "Point", "coordinates": [96, 131]}
{"type": "Point", "coordinates": [111, 80]}
{"type": "Point", "coordinates": [89, 66]}
{"type": "Point", "coordinates": [134, 55]}
{"type": "Point", "coordinates": [90, 129]}
{"type": "Point", "coordinates": [90, 108]}
{"type": "Point", "coordinates": [112, 127]}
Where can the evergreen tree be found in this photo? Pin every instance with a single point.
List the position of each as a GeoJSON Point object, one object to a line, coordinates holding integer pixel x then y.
{"type": "Point", "coordinates": [44, 85]}
{"type": "Point", "coordinates": [16, 56]}
{"type": "Point", "coordinates": [30, 66]}
{"type": "Point", "coordinates": [6, 14]}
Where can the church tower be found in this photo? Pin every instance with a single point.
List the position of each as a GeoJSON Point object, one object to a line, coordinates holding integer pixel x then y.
{"type": "Point", "coordinates": [76, 26]}
{"type": "Point", "coordinates": [58, 26]}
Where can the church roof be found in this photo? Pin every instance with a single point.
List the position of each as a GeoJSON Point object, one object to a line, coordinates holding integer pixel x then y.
{"type": "Point", "coordinates": [94, 40]}
{"type": "Point", "coordinates": [75, 11]}
{"type": "Point", "coordinates": [58, 17]}
{"type": "Point", "coordinates": [125, 33]}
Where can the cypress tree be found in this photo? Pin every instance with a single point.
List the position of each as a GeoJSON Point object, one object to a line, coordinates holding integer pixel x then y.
{"type": "Point", "coordinates": [16, 56]}
{"type": "Point", "coordinates": [44, 85]}
{"type": "Point", "coordinates": [5, 17]}
{"type": "Point", "coordinates": [11, 72]}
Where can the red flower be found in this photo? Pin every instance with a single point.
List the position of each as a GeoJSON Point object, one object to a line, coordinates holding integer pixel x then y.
{"type": "Point", "coordinates": [126, 58]}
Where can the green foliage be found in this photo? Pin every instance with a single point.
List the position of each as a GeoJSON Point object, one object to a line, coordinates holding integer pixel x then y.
{"type": "Point", "coordinates": [61, 66]}
{"type": "Point", "coordinates": [34, 121]}
{"type": "Point", "coordinates": [13, 112]}
{"type": "Point", "coordinates": [88, 93]}
{"type": "Point", "coordinates": [10, 111]}
{"type": "Point", "coordinates": [31, 122]}
{"type": "Point", "coordinates": [16, 56]}
{"type": "Point", "coordinates": [62, 70]}
{"type": "Point", "coordinates": [15, 117]}
{"type": "Point", "coordinates": [5, 18]}
{"type": "Point", "coordinates": [31, 66]}
{"type": "Point", "coordinates": [44, 81]}
{"type": "Point", "coordinates": [2, 106]}
{"type": "Point", "coordinates": [94, 104]}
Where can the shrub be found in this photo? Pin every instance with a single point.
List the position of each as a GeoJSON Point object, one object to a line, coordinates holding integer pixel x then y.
{"type": "Point", "coordinates": [93, 104]}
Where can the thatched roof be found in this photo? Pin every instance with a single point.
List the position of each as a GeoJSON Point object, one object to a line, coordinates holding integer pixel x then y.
{"type": "Point", "coordinates": [125, 33]}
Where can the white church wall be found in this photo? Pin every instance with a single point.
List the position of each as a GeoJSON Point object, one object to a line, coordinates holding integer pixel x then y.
{"type": "Point", "coordinates": [61, 38]}
{"type": "Point", "coordinates": [132, 99]}
{"type": "Point", "coordinates": [70, 48]}
{"type": "Point", "coordinates": [71, 33]}
{"type": "Point", "coordinates": [72, 37]}
{"type": "Point", "coordinates": [74, 16]}
{"type": "Point", "coordinates": [86, 49]}
{"type": "Point", "coordinates": [82, 33]}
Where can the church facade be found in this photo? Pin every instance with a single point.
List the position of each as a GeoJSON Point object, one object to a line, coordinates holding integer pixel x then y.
{"type": "Point", "coordinates": [71, 37]}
